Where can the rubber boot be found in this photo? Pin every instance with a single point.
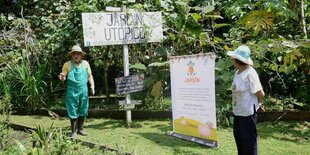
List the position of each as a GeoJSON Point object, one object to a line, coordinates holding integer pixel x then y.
{"type": "Point", "coordinates": [81, 126]}
{"type": "Point", "coordinates": [74, 128]}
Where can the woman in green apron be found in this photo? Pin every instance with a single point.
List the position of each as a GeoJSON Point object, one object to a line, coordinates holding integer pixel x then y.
{"type": "Point", "coordinates": [77, 72]}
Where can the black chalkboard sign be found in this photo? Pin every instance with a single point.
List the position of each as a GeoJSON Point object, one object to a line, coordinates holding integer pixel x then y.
{"type": "Point", "coordinates": [129, 84]}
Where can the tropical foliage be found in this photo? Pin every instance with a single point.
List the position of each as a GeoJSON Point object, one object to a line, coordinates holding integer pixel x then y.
{"type": "Point", "coordinates": [37, 35]}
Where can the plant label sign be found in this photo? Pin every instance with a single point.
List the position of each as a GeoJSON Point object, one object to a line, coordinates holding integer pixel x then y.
{"type": "Point", "coordinates": [115, 28]}
{"type": "Point", "coordinates": [129, 84]}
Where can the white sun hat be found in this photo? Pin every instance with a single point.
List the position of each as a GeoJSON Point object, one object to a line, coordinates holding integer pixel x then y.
{"type": "Point", "coordinates": [76, 48]}
{"type": "Point", "coordinates": [242, 53]}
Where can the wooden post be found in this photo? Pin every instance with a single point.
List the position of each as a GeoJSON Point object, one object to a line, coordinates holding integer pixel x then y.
{"type": "Point", "coordinates": [126, 73]}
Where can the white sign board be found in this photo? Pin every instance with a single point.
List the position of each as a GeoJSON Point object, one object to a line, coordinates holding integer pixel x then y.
{"type": "Point", "coordinates": [114, 28]}
{"type": "Point", "coordinates": [193, 98]}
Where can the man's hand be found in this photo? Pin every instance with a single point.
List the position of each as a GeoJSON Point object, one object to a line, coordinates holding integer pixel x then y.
{"type": "Point", "coordinates": [62, 77]}
{"type": "Point", "coordinates": [92, 84]}
{"type": "Point", "coordinates": [92, 88]}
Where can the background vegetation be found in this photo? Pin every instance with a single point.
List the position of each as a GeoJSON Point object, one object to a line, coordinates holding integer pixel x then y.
{"type": "Point", "coordinates": [35, 38]}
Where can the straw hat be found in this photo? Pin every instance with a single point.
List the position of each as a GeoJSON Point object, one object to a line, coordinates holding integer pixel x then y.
{"type": "Point", "coordinates": [242, 53]}
{"type": "Point", "coordinates": [77, 48]}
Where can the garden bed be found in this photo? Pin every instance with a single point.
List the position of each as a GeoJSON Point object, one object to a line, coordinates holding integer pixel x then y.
{"type": "Point", "coordinates": [18, 142]}
{"type": "Point", "coordinates": [19, 127]}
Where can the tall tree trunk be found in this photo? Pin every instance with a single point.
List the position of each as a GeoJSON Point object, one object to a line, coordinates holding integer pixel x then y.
{"type": "Point", "coordinates": [304, 28]}
{"type": "Point", "coordinates": [307, 70]}
{"type": "Point", "coordinates": [106, 82]}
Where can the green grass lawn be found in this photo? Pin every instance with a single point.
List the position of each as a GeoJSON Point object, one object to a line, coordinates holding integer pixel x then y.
{"type": "Point", "coordinates": [149, 137]}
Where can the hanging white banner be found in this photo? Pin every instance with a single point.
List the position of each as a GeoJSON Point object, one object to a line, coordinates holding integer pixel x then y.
{"type": "Point", "coordinates": [193, 98]}
{"type": "Point", "coordinates": [121, 28]}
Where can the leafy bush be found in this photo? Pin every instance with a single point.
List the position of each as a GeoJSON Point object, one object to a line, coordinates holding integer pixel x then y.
{"type": "Point", "coordinates": [29, 84]}
{"type": "Point", "coordinates": [5, 108]}
{"type": "Point", "coordinates": [223, 78]}
{"type": "Point", "coordinates": [50, 141]}
{"type": "Point", "coordinates": [283, 104]}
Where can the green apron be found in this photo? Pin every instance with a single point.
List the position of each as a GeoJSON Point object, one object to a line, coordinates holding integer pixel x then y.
{"type": "Point", "coordinates": [77, 91]}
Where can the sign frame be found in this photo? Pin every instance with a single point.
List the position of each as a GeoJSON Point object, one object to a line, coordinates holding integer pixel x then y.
{"type": "Point", "coordinates": [118, 28]}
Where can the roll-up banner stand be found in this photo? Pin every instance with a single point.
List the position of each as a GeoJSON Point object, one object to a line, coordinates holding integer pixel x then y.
{"type": "Point", "coordinates": [193, 98]}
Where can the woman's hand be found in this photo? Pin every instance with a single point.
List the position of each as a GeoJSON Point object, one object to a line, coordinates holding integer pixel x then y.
{"type": "Point", "coordinates": [261, 107]}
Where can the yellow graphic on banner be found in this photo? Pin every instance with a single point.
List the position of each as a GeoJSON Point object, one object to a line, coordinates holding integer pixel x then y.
{"type": "Point", "coordinates": [195, 128]}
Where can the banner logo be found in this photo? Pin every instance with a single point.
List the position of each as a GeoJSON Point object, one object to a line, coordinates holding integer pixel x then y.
{"type": "Point", "coordinates": [191, 72]}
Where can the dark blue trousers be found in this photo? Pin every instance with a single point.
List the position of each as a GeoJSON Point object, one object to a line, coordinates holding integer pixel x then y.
{"type": "Point", "coordinates": [245, 134]}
